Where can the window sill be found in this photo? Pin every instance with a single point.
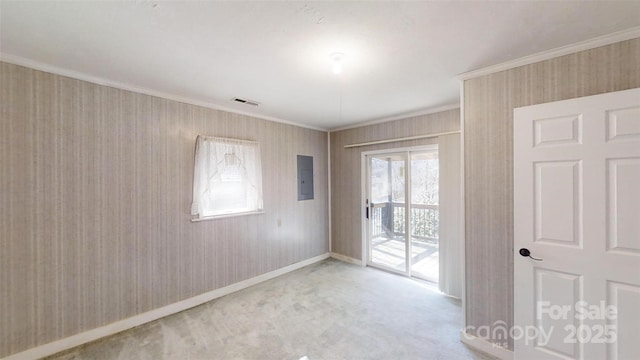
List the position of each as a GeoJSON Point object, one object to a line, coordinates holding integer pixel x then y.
{"type": "Point", "coordinates": [224, 216]}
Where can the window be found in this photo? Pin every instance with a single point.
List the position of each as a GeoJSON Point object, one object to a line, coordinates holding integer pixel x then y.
{"type": "Point", "coordinates": [227, 178]}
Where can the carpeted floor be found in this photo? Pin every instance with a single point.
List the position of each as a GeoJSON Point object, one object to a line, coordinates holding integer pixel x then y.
{"type": "Point", "coordinates": [330, 310]}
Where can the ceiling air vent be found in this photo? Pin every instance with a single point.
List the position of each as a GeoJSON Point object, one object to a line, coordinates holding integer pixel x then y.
{"type": "Point", "coordinates": [246, 101]}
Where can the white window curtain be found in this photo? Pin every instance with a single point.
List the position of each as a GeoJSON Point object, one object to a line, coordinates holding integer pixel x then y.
{"type": "Point", "coordinates": [227, 178]}
{"type": "Point", "coordinates": [451, 239]}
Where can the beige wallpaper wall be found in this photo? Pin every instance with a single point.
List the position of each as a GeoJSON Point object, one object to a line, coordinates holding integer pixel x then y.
{"type": "Point", "coordinates": [95, 198]}
{"type": "Point", "coordinates": [488, 110]}
{"type": "Point", "coordinates": [346, 225]}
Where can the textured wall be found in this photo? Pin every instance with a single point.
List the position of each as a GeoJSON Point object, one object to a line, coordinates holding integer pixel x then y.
{"type": "Point", "coordinates": [95, 198]}
{"type": "Point", "coordinates": [488, 110]}
{"type": "Point", "coordinates": [346, 206]}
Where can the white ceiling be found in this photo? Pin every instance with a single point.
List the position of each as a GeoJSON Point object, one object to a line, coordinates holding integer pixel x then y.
{"type": "Point", "coordinates": [400, 57]}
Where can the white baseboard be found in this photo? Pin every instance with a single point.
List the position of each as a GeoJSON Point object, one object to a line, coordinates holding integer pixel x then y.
{"type": "Point", "coordinates": [346, 259]}
{"type": "Point", "coordinates": [125, 324]}
{"type": "Point", "coordinates": [485, 346]}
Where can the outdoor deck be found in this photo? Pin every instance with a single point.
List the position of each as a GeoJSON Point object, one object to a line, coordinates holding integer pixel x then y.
{"type": "Point", "coordinates": [388, 242]}
{"type": "Point", "coordinates": [392, 253]}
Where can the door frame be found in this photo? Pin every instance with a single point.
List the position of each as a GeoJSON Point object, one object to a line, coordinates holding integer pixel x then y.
{"type": "Point", "coordinates": [364, 183]}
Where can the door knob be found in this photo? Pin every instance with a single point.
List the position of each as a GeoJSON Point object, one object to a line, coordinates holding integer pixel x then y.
{"type": "Point", "coordinates": [526, 253]}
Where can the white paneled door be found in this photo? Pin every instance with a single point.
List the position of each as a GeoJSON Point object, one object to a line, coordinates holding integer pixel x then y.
{"type": "Point", "coordinates": [577, 228]}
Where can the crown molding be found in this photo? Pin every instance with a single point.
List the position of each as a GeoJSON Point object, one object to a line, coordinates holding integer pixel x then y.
{"type": "Point", "coordinates": [428, 111]}
{"type": "Point", "coordinates": [36, 65]}
{"type": "Point", "coordinates": [619, 36]}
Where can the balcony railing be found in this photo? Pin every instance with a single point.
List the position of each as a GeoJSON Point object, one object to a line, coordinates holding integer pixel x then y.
{"type": "Point", "coordinates": [388, 220]}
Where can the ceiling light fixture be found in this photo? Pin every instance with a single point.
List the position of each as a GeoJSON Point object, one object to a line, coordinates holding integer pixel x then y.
{"type": "Point", "coordinates": [336, 58]}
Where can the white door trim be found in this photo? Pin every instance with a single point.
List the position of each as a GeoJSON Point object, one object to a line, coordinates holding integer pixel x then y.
{"type": "Point", "coordinates": [463, 212]}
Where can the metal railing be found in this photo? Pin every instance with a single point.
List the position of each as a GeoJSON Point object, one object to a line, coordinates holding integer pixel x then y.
{"type": "Point", "coordinates": [388, 219]}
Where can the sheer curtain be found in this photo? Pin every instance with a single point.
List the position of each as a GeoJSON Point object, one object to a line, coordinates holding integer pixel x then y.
{"type": "Point", "coordinates": [227, 177]}
{"type": "Point", "coordinates": [451, 239]}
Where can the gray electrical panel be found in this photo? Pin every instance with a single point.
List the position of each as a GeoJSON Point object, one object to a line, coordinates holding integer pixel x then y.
{"type": "Point", "coordinates": [305, 177]}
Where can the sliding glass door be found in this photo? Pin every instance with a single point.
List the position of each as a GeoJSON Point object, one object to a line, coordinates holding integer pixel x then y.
{"type": "Point", "coordinates": [387, 211]}
{"type": "Point", "coordinates": [402, 212]}
{"type": "Point", "coordinates": [425, 219]}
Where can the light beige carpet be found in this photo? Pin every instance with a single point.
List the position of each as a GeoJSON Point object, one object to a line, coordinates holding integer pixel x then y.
{"type": "Point", "coordinates": [330, 310]}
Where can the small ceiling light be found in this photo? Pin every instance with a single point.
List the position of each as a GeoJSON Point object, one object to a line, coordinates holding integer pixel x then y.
{"type": "Point", "coordinates": [336, 58]}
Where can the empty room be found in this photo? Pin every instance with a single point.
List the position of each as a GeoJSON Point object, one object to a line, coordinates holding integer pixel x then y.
{"type": "Point", "coordinates": [313, 180]}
